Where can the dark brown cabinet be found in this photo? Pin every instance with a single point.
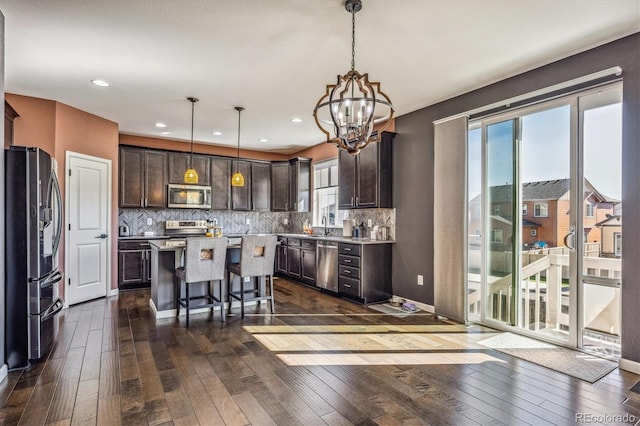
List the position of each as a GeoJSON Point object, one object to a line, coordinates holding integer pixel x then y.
{"type": "Point", "coordinates": [281, 256]}
{"type": "Point", "coordinates": [241, 195]}
{"type": "Point", "coordinates": [364, 271]}
{"type": "Point", "coordinates": [220, 184]}
{"type": "Point", "coordinates": [280, 186]}
{"type": "Point", "coordinates": [365, 179]}
{"type": "Point", "coordinates": [143, 178]}
{"type": "Point", "coordinates": [260, 186]}
{"type": "Point", "coordinates": [134, 264]}
{"type": "Point", "coordinates": [293, 261]}
{"type": "Point", "coordinates": [308, 261]}
{"type": "Point", "coordinates": [299, 184]}
{"type": "Point", "coordinates": [10, 114]}
{"type": "Point", "coordinates": [179, 163]}
{"type": "Point", "coordinates": [290, 185]}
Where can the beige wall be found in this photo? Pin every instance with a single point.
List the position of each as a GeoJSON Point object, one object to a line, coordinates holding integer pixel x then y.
{"type": "Point", "coordinates": [58, 128]}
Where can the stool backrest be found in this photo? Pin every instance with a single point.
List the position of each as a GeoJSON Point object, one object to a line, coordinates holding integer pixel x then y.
{"type": "Point", "coordinates": [205, 259]}
{"type": "Point", "coordinates": [258, 255]}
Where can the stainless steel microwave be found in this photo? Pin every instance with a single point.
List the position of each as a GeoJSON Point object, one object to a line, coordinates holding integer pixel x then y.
{"type": "Point", "coordinates": [188, 196]}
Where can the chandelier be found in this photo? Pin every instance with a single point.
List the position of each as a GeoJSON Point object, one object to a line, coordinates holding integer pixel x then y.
{"type": "Point", "coordinates": [191, 176]}
{"type": "Point", "coordinates": [353, 106]}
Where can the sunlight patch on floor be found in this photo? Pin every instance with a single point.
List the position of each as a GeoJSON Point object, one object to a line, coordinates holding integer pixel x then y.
{"type": "Point", "coordinates": [389, 358]}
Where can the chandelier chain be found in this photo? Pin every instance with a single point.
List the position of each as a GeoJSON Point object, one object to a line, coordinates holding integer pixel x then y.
{"type": "Point", "coordinates": [353, 40]}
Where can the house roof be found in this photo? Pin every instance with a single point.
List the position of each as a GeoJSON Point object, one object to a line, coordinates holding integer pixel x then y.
{"type": "Point", "coordinates": [541, 190]}
{"type": "Point", "coordinates": [611, 220]}
{"type": "Point", "coordinates": [545, 190]}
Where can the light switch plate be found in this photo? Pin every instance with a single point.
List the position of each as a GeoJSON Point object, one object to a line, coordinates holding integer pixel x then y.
{"type": "Point", "coordinates": [149, 221]}
{"type": "Point", "coordinates": [286, 221]}
{"type": "Point", "coordinates": [248, 221]}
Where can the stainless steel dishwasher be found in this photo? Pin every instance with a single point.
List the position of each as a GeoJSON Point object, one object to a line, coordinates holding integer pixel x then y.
{"type": "Point", "coordinates": [327, 266]}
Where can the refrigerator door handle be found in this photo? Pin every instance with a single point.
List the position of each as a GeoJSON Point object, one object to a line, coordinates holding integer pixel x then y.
{"type": "Point", "coordinates": [58, 231]}
{"type": "Point", "coordinates": [51, 279]}
{"type": "Point", "coordinates": [52, 310]}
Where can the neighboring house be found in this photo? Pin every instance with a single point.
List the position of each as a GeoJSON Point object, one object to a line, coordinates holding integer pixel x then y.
{"type": "Point", "coordinates": [611, 229]}
{"type": "Point", "coordinates": [545, 213]}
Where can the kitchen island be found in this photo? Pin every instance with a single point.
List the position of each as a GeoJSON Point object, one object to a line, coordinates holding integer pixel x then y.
{"type": "Point", "coordinates": [166, 256]}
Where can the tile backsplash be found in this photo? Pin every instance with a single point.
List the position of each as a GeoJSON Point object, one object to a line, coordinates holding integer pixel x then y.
{"type": "Point", "coordinates": [235, 222]}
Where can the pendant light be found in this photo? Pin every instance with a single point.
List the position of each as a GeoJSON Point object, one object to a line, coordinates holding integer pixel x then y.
{"type": "Point", "coordinates": [237, 179]}
{"type": "Point", "coordinates": [354, 105]}
{"type": "Point", "coordinates": [191, 176]}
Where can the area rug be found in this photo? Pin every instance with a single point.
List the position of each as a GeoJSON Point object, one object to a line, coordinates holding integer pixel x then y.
{"type": "Point", "coordinates": [567, 361]}
{"type": "Point", "coordinates": [386, 308]}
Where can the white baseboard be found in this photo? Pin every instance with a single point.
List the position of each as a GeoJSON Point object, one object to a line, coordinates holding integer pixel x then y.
{"type": "Point", "coordinates": [420, 305]}
{"type": "Point", "coordinates": [171, 313]}
{"type": "Point", "coordinates": [3, 372]}
{"type": "Point", "coordinates": [628, 365]}
{"type": "Point", "coordinates": [114, 292]}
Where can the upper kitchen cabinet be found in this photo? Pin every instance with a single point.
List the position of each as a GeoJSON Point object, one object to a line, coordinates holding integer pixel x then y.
{"type": "Point", "coordinates": [366, 178]}
{"type": "Point", "coordinates": [260, 186]}
{"type": "Point", "coordinates": [299, 184]}
{"type": "Point", "coordinates": [143, 178]}
{"type": "Point", "coordinates": [179, 163]}
{"type": "Point", "coordinates": [280, 186]}
{"type": "Point", "coordinates": [241, 195]}
{"type": "Point", "coordinates": [220, 183]}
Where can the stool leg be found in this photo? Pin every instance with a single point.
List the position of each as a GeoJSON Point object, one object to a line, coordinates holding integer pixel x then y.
{"type": "Point", "coordinates": [273, 299]}
{"type": "Point", "coordinates": [241, 297]}
{"type": "Point", "coordinates": [178, 286]}
{"type": "Point", "coordinates": [222, 299]}
{"type": "Point", "coordinates": [210, 293]}
{"type": "Point", "coordinates": [187, 291]}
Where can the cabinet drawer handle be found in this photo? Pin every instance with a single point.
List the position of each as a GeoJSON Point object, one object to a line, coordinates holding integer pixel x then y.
{"type": "Point", "coordinates": [346, 271]}
{"type": "Point", "coordinates": [356, 200]}
{"type": "Point", "coordinates": [146, 204]}
{"type": "Point", "coordinates": [141, 202]}
{"type": "Point", "coordinates": [347, 249]}
{"type": "Point", "coordinates": [352, 201]}
{"type": "Point", "coordinates": [347, 261]}
{"type": "Point", "coordinates": [347, 285]}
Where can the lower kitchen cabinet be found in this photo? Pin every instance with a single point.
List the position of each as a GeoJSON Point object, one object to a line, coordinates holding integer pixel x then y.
{"type": "Point", "coordinates": [308, 261]}
{"type": "Point", "coordinates": [294, 267]}
{"type": "Point", "coordinates": [134, 264]}
{"type": "Point", "coordinates": [281, 256]}
{"type": "Point", "coordinates": [364, 272]}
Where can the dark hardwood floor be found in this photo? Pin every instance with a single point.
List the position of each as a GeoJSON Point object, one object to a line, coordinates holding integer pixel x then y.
{"type": "Point", "coordinates": [319, 360]}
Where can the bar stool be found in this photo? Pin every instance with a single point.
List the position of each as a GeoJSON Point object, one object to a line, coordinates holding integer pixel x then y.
{"type": "Point", "coordinates": [204, 261]}
{"type": "Point", "coordinates": [257, 257]}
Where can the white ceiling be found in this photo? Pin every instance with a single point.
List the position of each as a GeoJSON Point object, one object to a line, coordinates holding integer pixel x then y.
{"type": "Point", "coordinates": [274, 57]}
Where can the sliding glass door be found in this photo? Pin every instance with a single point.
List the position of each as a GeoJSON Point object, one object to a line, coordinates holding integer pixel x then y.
{"type": "Point", "coordinates": [544, 219]}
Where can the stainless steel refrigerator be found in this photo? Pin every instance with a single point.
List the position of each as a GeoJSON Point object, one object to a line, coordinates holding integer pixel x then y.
{"type": "Point", "coordinates": [33, 225]}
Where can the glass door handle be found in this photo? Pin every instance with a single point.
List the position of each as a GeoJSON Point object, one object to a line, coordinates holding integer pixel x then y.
{"type": "Point", "coordinates": [571, 234]}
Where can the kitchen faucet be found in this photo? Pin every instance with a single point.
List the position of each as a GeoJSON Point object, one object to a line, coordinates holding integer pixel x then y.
{"type": "Point", "coordinates": [324, 222]}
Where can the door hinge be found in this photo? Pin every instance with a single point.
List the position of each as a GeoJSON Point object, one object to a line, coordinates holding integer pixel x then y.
{"type": "Point", "coordinates": [69, 283]}
{"type": "Point", "coordinates": [69, 227]}
{"type": "Point", "coordinates": [69, 172]}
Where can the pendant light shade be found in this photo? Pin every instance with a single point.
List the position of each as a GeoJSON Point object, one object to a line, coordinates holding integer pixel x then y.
{"type": "Point", "coordinates": [237, 179]}
{"type": "Point", "coordinates": [191, 176]}
{"type": "Point", "coordinates": [353, 106]}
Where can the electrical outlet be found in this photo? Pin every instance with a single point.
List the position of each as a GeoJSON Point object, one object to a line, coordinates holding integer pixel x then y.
{"type": "Point", "coordinates": [149, 221]}
{"type": "Point", "coordinates": [247, 279]}
{"type": "Point", "coordinates": [248, 221]}
{"type": "Point", "coordinates": [370, 223]}
{"type": "Point", "coordinates": [420, 280]}
{"type": "Point", "coordinates": [286, 221]}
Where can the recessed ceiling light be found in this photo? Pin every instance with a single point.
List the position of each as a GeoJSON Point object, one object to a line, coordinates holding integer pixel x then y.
{"type": "Point", "coordinates": [296, 120]}
{"type": "Point", "coordinates": [217, 133]}
{"type": "Point", "coordinates": [263, 140]}
{"type": "Point", "coordinates": [100, 83]}
{"type": "Point", "coordinates": [161, 125]}
{"type": "Point", "coordinates": [165, 133]}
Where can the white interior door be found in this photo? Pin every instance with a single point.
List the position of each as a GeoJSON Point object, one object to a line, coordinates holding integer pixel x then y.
{"type": "Point", "coordinates": [88, 226]}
